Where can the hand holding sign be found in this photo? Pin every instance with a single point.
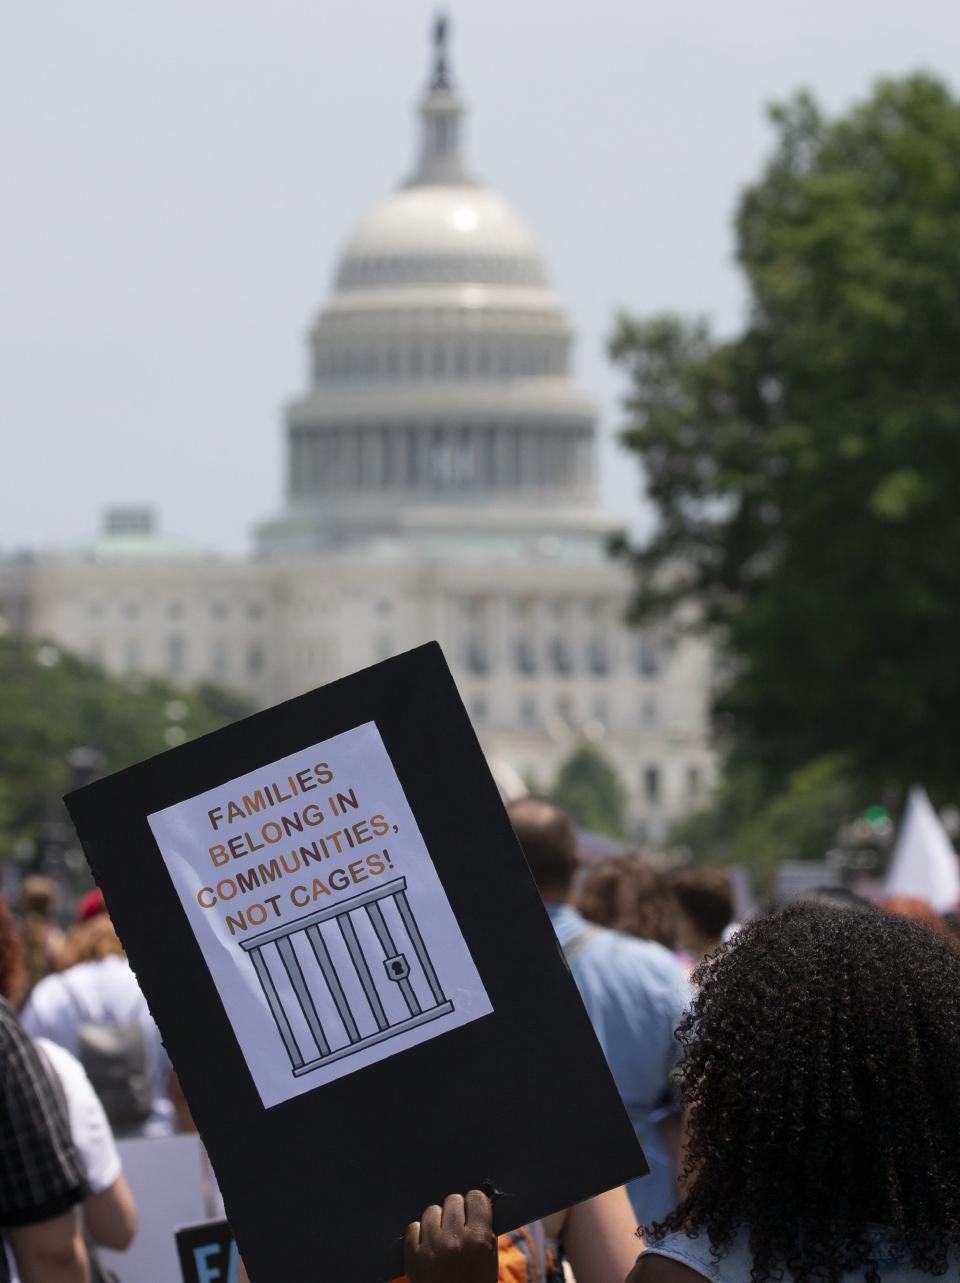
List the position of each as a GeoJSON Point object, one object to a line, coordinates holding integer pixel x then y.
{"type": "Point", "coordinates": [453, 1244]}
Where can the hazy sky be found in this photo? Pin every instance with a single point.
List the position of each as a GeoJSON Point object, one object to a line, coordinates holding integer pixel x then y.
{"type": "Point", "coordinates": [178, 175]}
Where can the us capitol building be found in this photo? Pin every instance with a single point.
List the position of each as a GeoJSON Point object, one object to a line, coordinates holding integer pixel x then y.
{"type": "Point", "coordinates": [440, 483]}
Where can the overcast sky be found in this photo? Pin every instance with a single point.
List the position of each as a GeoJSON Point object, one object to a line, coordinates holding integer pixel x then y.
{"type": "Point", "coordinates": [178, 176]}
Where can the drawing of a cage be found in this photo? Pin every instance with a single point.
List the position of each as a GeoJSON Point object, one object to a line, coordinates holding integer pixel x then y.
{"type": "Point", "coordinates": [336, 980]}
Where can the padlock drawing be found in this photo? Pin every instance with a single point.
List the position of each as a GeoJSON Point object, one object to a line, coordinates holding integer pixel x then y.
{"type": "Point", "coordinates": [397, 968]}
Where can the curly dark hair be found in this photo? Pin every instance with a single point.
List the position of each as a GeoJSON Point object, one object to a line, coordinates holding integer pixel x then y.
{"type": "Point", "coordinates": [822, 1075]}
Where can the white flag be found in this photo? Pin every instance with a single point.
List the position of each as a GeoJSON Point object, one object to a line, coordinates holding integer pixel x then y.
{"type": "Point", "coordinates": [924, 863]}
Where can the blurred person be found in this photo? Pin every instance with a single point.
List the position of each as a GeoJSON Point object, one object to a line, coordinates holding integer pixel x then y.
{"type": "Point", "coordinates": [109, 1213]}
{"type": "Point", "coordinates": [628, 894]}
{"type": "Point", "coordinates": [821, 1072]}
{"type": "Point", "coordinates": [83, 942]}
{"type": "Point", "coordinates": [90, 905]}
{"type": "Point", "coordinates": [41, 1175]}
{"type": "Point", "coordinates": [95, 1008]}
{"type": "Point", "coordinates": [704, 895]}
{"type": "Point", "coordinates": [634, 992]}
{"type": "Point", "coordinates": [42, 938]}
{"type": "Point", "coordinates": [917, 910]}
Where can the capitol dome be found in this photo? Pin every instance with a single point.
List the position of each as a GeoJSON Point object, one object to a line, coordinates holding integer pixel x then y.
{"type": "Point", "coordinates": [430, 235]}
{"type": "Point", "coordinates": [440, 367]}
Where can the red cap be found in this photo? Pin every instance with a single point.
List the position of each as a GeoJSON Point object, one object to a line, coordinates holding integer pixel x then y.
{"type": "Point", "coordinates": [91, 903]}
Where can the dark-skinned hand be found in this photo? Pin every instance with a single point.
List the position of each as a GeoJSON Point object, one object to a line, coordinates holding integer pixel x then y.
{"type": "Point", "coordinates": [453, 1244]}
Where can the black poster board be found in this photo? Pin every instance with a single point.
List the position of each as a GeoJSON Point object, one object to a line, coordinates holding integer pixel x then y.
{"type": "Point", "coordinates": [322, 1185]}
{"type": "Point", "coordinates": [207, 1253]}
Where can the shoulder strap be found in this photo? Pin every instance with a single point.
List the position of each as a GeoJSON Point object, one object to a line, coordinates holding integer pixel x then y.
{"type": "Point", "coordinates": [573, 948]}
{"type": "Point", "coordinates": [75, 1001]}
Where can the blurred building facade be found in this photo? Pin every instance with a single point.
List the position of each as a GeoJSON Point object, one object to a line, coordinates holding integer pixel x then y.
{"type": "Point", "coordinates": [440, 483]}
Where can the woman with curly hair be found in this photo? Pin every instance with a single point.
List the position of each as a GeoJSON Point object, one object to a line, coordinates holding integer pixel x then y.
{"type": "Point", "coordinates": [822, 1079]}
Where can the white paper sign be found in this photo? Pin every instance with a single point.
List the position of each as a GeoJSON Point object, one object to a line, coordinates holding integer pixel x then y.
{"type": "Point", "coordinates": [320, 914]}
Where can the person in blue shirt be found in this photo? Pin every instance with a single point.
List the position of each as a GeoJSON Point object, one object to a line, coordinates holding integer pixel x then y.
{"type": "Point", "coordinates": [635, 992]}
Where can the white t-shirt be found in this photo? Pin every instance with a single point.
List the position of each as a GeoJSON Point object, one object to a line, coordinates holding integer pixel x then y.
{"type": "Point", "coordinates": [88, 1123]}
{"type": "Point", "coordinates": [101, 992]}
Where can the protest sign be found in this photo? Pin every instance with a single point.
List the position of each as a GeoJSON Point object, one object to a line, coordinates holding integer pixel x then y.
{"type": "Point", "coordinates": [353, 973]}
{"type": "Point", "coordinates": [207, 1253]}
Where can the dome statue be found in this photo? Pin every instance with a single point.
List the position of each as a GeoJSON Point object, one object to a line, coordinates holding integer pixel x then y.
{"type": "Point", "coordinates": [441, 392]}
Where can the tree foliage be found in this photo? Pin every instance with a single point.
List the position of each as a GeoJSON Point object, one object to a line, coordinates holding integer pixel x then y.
{"type": "Point", "coordinates": [54, 704]}
{"type": "Point", "coordinates": [806, 472]}
{"type": "Point", "coordinates": [590, 789]}
{"type": "Point", "coordinates": [749, 826]}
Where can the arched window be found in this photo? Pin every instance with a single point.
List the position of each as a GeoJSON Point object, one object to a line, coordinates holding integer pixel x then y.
{"type": "Point", "coordinates": [598, 657]}
{"type": "Point", "coordinates": [647, 660]}
{"type": "Point", "coordinates": [176, 651]}
{"type": "Point", "coordinates": [651, 784]}
{"type": "Point", "coordinates": [561, 659]}
{"type": "Point", "coordinates": [477, 659]}
{"type": "Point", "coordinates": [524, 655]}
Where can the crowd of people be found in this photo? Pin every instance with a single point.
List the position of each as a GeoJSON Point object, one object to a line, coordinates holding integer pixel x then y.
{"type": "Point", "coordinates": [82, 1065]}
{"type": "Point", "coordinates": [793, 1080]}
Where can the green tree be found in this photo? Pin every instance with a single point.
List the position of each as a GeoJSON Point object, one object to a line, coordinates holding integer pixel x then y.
{"type": "Point", "coordinates": [54, 703]}
{"type": "Point", "coordinates": [590, 789]}
{"type": "Point", "coordinates": [746, 825]}
{"type": "Point", "coordinates": [805, 472]}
